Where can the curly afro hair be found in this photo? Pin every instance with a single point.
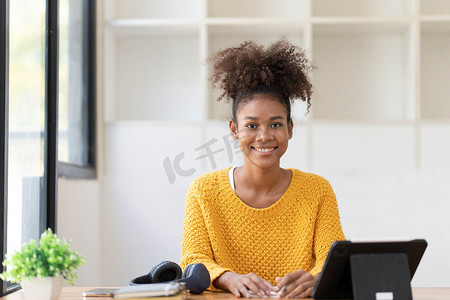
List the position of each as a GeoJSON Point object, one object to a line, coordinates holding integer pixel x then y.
{"type": "Point", "coordinates": [279, 70]}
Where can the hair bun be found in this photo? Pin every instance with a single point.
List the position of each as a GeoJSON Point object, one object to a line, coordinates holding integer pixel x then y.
{"type": "Point", "coordinates": [281, 67]}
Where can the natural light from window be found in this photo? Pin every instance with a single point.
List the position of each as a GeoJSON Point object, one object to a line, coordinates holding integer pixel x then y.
{"type": "Point", "coordinates": [26, 121]}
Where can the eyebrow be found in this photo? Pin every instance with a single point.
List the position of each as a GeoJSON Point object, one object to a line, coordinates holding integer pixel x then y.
{"type": "Point", "coordinates": [271, 118]}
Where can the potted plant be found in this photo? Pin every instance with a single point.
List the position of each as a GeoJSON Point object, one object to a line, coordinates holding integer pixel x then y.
{"type": "Point", "coordinates": [42, 267]}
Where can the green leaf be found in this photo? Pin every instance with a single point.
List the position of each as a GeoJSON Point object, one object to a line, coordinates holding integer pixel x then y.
{"type": "Point", "coordinates": [50, 257]}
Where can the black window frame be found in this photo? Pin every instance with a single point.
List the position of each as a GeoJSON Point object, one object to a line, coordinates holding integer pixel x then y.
{"type": "Point", "coordinates": [52, 167]}
{"type": "Point", "coordinates": [4, 86]}
{"type": "Point", "coordinates": [4, 132]}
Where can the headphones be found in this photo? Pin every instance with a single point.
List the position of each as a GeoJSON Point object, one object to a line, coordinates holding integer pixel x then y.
{"type": "Point", "coordinates": [195, 277]}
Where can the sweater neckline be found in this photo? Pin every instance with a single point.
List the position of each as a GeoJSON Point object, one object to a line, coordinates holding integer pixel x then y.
{"type": "Point", "coordinates": [245, 208]}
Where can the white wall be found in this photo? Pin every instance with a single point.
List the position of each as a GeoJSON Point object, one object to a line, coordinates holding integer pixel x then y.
{"type": "Point", "coordinates": [380, 192]}
{"type": "Point", "coordinates": [133, 220]}
{"type": "Point", "coordinates": [78, 220]}
{"type": "Point", "coordinates": [80, 202]}
{"type": "Point", "coordinates": [143, 212]}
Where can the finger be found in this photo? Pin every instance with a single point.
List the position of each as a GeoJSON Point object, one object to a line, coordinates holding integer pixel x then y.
{"type": "Point", "coordinates": [306, 293]}
{"type": "Point", "coordinates": [282, 291]}
{"type": "Point", "coordinates": [244, 292]}
{"type": "Point", "coordinates": [288, 291]}
{"type": "Point", "coordinates": [299, 287]}
{"type": "Point", "coordinates": [296, 291]}
{"type": "Point", "coordinates": [266, 286]}
{"type": "Point", "coordinates": [284, 281]}
{"type": "Point", "coordinates": [259, 285]}
{"type": "Point", "coordinates": [254, 288]}
{"type": "Point", "coordinates": [282, 286]}
{"type": "Point", "coordinates": [278, 279]}
{"type": "Point", "coordinates": [289, 278]}
{"type": "Point", "coordinates": [235, 292]}
{"type": "Point", "coordinates": [249, 285]}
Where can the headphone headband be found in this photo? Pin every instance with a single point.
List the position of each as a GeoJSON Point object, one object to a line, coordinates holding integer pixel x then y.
{"type": "Point", "coordinates": [196, 277]}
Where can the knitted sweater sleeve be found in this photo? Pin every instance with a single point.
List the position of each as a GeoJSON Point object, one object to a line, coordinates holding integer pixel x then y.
{"type": "Point", "coordinates": [196, 245]}
{"type": "Point", "coordinates": [328, 227]}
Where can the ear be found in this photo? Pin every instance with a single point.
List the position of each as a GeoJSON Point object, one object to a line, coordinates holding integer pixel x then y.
{"type": "Point", "coordinates": [290, 128]}
{"type": "Point", "coordinates": [233, 129]}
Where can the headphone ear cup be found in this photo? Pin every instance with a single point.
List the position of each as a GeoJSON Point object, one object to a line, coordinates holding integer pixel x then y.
{"type": "Point", "coordinates": [141, 280]}
{"type": "Point", "coordinates": [187, 271]}
{"type": "Point", "coordinates": [145, 279]}
{"type": "Point", "coordinates": [165, 271]}
{"type": "Point", "coordinates": [196, 278]}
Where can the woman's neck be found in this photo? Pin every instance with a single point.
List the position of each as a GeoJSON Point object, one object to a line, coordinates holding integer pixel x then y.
{"type": "Point", "coordinates": [263, 180]}
{"type": "Point", "coordinates": [261, 188]}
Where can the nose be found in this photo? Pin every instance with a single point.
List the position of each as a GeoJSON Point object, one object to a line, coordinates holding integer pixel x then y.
{"type": "Point", "coordinates": [264, 134]}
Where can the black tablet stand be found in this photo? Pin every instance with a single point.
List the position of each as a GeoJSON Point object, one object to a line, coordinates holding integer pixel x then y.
{"type": "Point", "coordinates": [380, 276]}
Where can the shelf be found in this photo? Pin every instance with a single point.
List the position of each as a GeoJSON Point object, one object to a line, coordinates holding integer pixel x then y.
{"type": "Point", "coordinates": [361, 8]}
{"type": "Point", "coordinates": [163, 83]}
{"type": "Point", "coordinates": [254, 26]}
{"type": "Point", "coordinates": [361, 74]}
{"type": "Point", "coordinates": [360, 25]}
{"type": "Point", "coordinates": [435, 18]}
{"type": "Point", "coordinates": [178, 9]}
{"type": "Point", "coordinates": [160, 27]}
{"type": "Point", "coordinates": [257, 8]}
{"type": "Point", "coordinates": [435, 70]}
{"type": "Point", "coordinates": [435, 7]}
{"type": "Point", "coordinates": [435, 25]}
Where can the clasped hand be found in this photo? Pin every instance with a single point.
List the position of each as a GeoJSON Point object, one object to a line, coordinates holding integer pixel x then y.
{"type": "Point", "coordinates": [298, 284]}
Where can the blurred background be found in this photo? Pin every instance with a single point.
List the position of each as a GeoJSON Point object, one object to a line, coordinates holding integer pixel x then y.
{"type": "Point", "coordinates": [378, 129]}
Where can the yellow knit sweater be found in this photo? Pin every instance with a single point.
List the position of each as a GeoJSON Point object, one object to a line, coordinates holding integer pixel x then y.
{"type": "Point", "coordinates": [225, 234]}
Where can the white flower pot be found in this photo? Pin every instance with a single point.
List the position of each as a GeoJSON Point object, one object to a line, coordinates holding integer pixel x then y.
{"type": "Point", "coordinates": [43, 288]}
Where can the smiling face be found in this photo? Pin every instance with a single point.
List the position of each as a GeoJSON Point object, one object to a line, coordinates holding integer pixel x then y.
{"type": "Point", "coordinates": [263, 130]}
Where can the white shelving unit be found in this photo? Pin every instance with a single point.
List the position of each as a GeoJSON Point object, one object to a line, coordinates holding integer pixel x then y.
{"type": "Point", "coordinates": [379, 61]}
{"type": "Point", "coordinates": [363, 9]}
{"type": "Point", "coordinates": [363, 71]}
{"type": "Point", "coordinates": [382, 60]}
{"type": "Point", "coordinates": [435, 66]}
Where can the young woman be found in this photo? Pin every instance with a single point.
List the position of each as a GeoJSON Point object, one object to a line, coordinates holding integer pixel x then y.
{"type": "Point", "coordinates": [259, 228]}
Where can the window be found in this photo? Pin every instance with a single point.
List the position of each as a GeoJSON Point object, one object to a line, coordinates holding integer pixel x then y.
{"type": "Point", "coordinates": [76, 150]}
{"type": "Point", "coordinates": [24, 119]}
{"type": "Point", "coordinates": [44, 65]}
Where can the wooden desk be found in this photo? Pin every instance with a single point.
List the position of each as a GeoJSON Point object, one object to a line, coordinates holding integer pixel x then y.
{"type": "Point", "coordinates": [75, 293]}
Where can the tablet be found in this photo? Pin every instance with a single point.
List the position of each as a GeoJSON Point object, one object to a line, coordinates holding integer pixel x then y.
{"type": "Point", "coordinates": [160, 289]}
{"type": "Point", "coordinates": [335, 282]}
{"type": "Point", "coordinates": [99, 292]}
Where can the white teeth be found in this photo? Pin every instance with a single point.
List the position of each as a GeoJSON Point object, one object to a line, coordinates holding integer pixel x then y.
{"type": "Point", "coordinates": [264, 149]}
